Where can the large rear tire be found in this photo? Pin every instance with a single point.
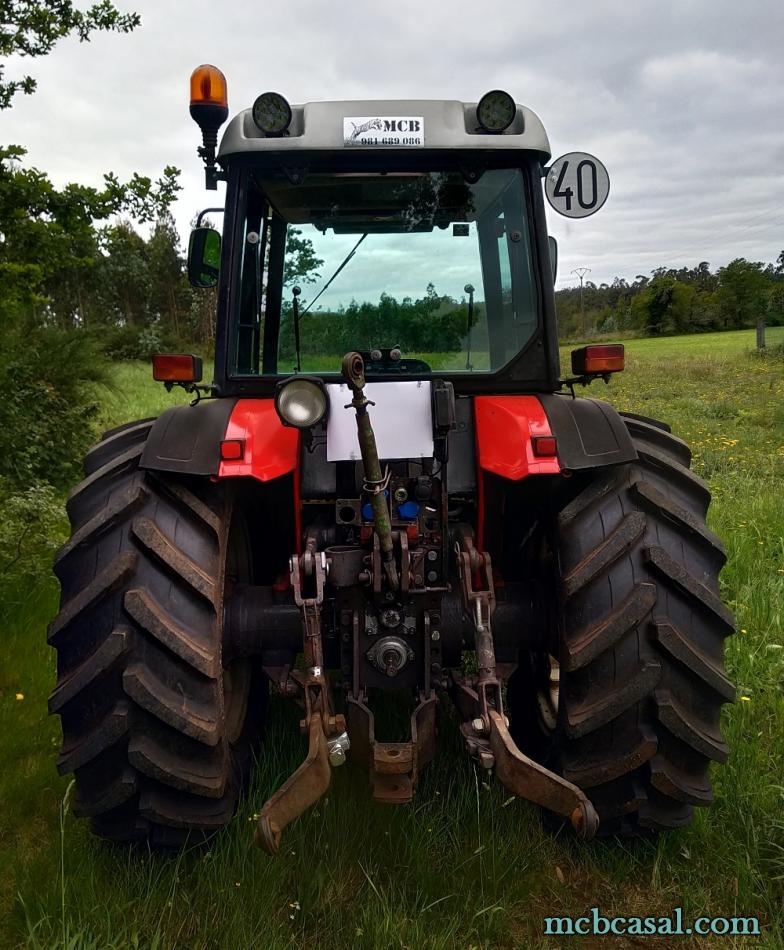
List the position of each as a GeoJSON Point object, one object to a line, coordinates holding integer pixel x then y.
{"type": "Point", "coordinates": [639, 665]}
{"type": "Point", "coordinates": [157, 731]}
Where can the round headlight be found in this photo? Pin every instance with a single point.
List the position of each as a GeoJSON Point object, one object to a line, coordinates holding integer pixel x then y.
{"type": "Point", "coordinates": [496, 111]}
{"type": "Point", "coordinates": [301, 402]}
{"type": "Point", "coordinates": [271, 113]}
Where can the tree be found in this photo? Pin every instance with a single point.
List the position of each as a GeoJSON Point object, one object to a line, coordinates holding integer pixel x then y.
{"type": "Point", "coordinates": [50, 241]}
{"type": "Point", "coordinates": [742, 296]}
{"type": "Point", "coordinates": [32, 28]}
{"type": "Point", "coordinates": [168, 286]}
{"type": "Point", "coordinates": [124, 276]}
{"type": "Point", "coordinates": [300, 263]}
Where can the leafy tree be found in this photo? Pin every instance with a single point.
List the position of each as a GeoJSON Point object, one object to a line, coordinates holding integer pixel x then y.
{"type": "Point", "coordinates": [666, 304]}
{"type": "Point", "coordinates": [775, 310]}
{"type": "Point", "coordinates": [300, 263]}
{"type": "Point", "coordinates": [50, 242]}
{"type": "Point", "coordinates": [123, 277]}
{"type": "Point", "coordinates": [32, 28]}
{"type": "Point", "coordinates": [742, 292]}
{"type": "Point", "coordinates": [169, 290]}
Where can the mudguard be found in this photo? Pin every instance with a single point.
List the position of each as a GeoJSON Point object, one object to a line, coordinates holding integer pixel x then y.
{"type": "Point", "coordinates": [589, 434]}
{"type": "Point", "coordinates": [187, 439]}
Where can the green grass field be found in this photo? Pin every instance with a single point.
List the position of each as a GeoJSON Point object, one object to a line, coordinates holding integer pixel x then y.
{"type": "Point", "coordinates": [464, 866]}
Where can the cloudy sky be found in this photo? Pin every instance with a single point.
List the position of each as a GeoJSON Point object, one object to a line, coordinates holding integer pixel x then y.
{"type": "Point", "coordinates": [682, 99]}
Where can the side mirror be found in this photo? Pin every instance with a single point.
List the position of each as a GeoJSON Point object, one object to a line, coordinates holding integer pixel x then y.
{"type": "Point", "coordinates": [204, 251]}
{"type": "Point", "coordinates": [553, 256]}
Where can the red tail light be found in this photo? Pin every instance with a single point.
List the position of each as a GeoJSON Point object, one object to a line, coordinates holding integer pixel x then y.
{"type": "Point", "coordinates": [232, 450]}
{"type": "Point", "coordinates": [544, 446]}
{"type": "Point", "coordinates": [596, 360]}
{"type": "Point", "coordinates": [176, 368]}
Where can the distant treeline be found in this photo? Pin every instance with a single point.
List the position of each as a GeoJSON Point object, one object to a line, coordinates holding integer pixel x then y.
{"type": "Point", "coordinates": [62, 267]}
{"type": "Point", "coordinates": [669, 302]}
{"type": "Point", "coordinates": [429, 324]}
{"type": "Point", "coordinates": [672, 301]}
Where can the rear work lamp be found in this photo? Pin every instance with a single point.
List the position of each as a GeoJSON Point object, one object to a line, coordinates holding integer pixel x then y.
{"type": "Point", "coordinates": [176, 368]}
{"type": "Point", "coordinates": [496, 111]}
{"type": "Point", "coordinates": [271, 113]}
{"type": "Point", "coordinates": [598, 360]}
{"type": "Point", "coordinates": [301, 401]}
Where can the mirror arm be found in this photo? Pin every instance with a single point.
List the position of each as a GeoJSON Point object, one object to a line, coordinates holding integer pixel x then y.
{"type": "Point", "coordinates": [207, 211]}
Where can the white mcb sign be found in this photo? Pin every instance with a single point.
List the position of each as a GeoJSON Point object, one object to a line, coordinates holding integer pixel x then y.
{"type": "Point", "coordinates": [396, 130]}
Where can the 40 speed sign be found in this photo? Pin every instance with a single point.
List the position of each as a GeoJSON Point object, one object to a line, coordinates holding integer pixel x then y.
{"type": "Point", "coordinates": [577, 184]}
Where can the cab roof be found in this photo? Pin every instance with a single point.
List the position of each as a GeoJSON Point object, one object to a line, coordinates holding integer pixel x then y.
{"type": "Point", "coordinates": [448, 124]}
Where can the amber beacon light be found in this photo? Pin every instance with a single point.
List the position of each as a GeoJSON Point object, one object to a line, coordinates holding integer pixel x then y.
{"type": "Point", "coordinates": [209, 109]}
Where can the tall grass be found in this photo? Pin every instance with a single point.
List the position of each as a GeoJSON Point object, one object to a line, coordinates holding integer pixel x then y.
{"type": "Point", "coordinates": [465, 865]}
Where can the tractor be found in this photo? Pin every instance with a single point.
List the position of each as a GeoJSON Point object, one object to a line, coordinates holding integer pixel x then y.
{"type": "Point", "coordinates": [389, 493]}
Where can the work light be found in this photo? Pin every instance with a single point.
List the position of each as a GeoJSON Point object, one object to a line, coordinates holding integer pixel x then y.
{"type": "Point", "coordinates": [301, 401]}
{"type": "Point", "coordinates": [271, 113]}
{"type": "Point", "coordinates": [496, 111]}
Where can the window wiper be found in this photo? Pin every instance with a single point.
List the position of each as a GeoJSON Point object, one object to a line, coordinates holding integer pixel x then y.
{"type": "Point", "coordinates": [345, 261]}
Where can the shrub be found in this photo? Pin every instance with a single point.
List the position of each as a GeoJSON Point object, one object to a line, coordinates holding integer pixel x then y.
{"type": "Point", "coordinates": [49, 406]}
{"type": "Point", "coordinates": [129, 343]}
{"type": "Point", "coordinates": [32, 528]}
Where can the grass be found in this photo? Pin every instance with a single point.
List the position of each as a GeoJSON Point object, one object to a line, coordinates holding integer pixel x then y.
{"type": "Point", "coordinates": [464, 866]}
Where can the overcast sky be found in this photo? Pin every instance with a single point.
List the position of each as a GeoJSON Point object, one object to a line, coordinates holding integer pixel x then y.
{"type": "Point", "coordinates": [682, 101]}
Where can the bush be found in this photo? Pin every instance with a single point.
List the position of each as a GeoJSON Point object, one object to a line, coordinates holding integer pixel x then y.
{"type": "Point", "coordinates": [32, 528]}
{"type": "Point", "coordinates": [130, 343]}
{"type": "Point", "coordinates": [49, 406]}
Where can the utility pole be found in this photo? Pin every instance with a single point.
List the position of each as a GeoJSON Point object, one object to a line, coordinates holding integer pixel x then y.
{"type": "Point", "coordinates": [581, 272]}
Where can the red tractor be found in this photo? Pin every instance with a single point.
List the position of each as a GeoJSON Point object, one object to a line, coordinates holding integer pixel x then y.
{"type": "Point", "coordinates": [433, 513]}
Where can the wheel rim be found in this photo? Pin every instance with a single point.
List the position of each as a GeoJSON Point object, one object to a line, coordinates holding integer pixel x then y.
{"type": "Point", "coordinates": [547, 697]}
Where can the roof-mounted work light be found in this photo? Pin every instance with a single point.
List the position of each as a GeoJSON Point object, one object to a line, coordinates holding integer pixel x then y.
{"type": "Point", "coordinates": [209, 109]}
{"type": "Point", "coordinates": [271, 113]}
{"type": "Point", "coordinates": [496, 111]}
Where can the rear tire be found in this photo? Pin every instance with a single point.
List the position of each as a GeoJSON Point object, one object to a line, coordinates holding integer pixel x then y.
{"type": "Point", "coordinates": [157, 733]}
{"type": "Point", "coordinates": [641, 642]}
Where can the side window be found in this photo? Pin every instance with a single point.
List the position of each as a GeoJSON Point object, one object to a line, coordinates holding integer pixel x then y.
{"type": "Point", "coordinates": [505, 270]}
{"type": "Point", "coordinates": [254, 265]}
{"type": "Point", "coordinates": [507, 274]}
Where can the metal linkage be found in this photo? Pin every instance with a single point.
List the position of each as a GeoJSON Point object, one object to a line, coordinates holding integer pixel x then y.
{"type": "Point", "coordinates": [327, 737]}
{"type": "Point", "coordinates": [394, 766]}
{"type": "Point", "coordinates": [353, 371]}
{"type": "Point", "coordinates": [486, 729]}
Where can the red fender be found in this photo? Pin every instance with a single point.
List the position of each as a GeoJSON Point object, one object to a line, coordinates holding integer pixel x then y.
{"type": "Point", "coordinates": [270, 448]}
{"type": "Point", "coordinates": [505, 426]}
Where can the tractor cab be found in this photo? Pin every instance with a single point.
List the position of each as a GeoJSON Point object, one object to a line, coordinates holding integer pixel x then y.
{"type": "Point", "coordinates": [418, 240]}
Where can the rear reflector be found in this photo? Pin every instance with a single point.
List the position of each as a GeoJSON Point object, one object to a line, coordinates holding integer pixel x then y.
{"type": "Point", "coordinates": [176, 368]}
{"type": "Point", "coordinates": [544, 446]}
{"type": "Point", "coordinates": [595, 360]}
{"type": "Point", "coordinates": [232, 450]}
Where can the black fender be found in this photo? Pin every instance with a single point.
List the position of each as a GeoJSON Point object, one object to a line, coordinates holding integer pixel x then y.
{"type": "Point", "coordinates": [589, 433]}
{"type": "Point", "coordinates": [187, 439]}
